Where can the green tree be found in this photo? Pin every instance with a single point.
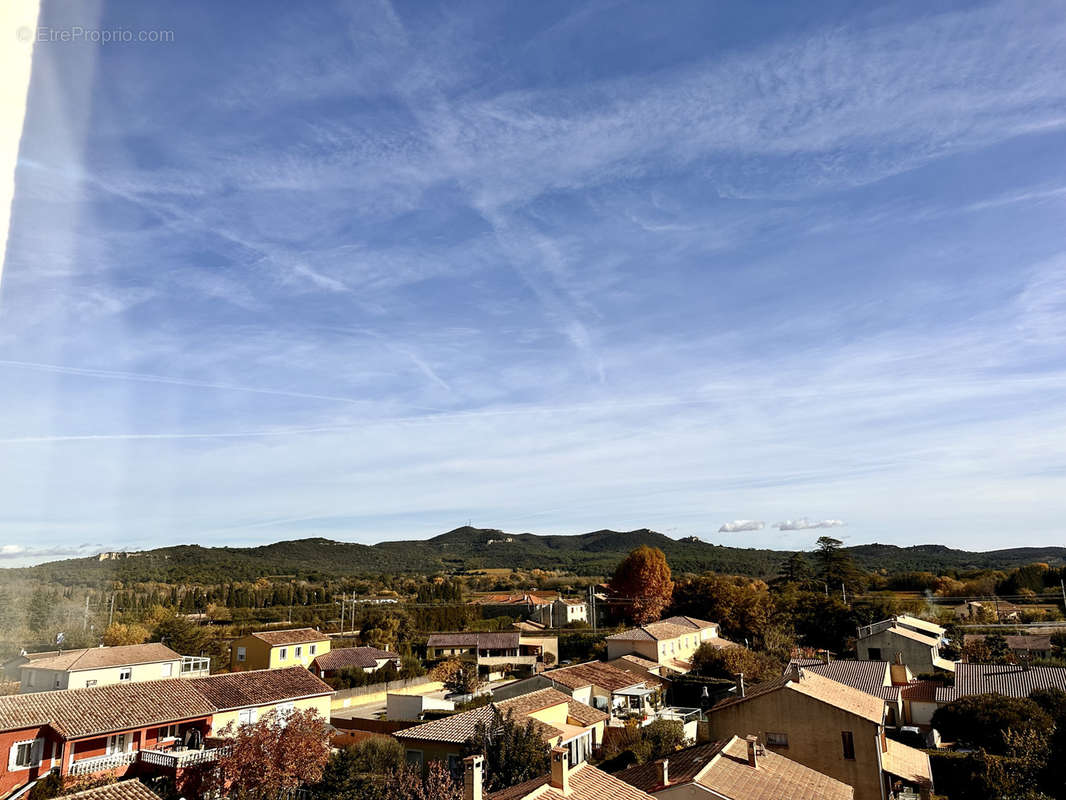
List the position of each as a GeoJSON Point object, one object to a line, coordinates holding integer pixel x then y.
{"type": "Point", "coordinates": [514, 751]}
{"type": "Point", "coordinates": [836, 567]}
{"type": "Point", "coordinates": [182, 635]}
{"type": "Point", "coordinates": [643, 584]}
{"type": "Point", "coordinates": [658, 739]}
{"type": "Point", "coordinates": [742, 606]}
{"type": "Point", "coordinates": [983, 720]}
{"type": "Point", "coordinates": [359, 772]}
{"type": "Point", "coordinates": [457, 675]}
{"type": "Point", "coordinates": [730, 662]}
{"type": "Point", "coordinates": [796, 569]}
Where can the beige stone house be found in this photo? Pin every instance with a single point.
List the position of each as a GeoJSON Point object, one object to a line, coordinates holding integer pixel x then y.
{"type": "Point", "coordinates": [669, 642]}
{"type": "Point", "coordinates": [104, 666]}
{"type": "Point", "coordinates": [496, 652]}
{"type": "Point", "coordinates": [830, 727]}
{"type": "Point", "coordinates": [562, 722]}
{"type": "Point", "coordinates": [732, 769]}
{"type": "Point", "coordinates": [904, 639]}
{"type": "Point", "coordinates": [244, 698]}
{"type": "Point", "coordinates": [278, 649]}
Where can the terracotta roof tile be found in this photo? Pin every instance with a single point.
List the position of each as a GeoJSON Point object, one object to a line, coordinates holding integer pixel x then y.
{"type": "Point", "coordinates": [683, 766]}
{"type": "Point", "coordinates": [259, 687]}
{"type": "Point", "coordinates": [593, 673]}
{"type": "Point", "coordinates": [352, 657]}
{"type": "Point", "coordinates": [101, 709]}
{"type": "Point", "coordinates": [819, 688]}
{"type": "Point", "coordinates": [483, 641]}
{"type": "Point", "coordinates": [586, 783]}
{"type": "Point", "coordinates": [1005, 679]}
{"type": "Point", "coordinates": [295, 636]}
{"type": "Point", "coordinates": [123, 790]}
{"type": "Point", "coordinates": [907, 762]}
{"type": "Point", "coordinates": [101, 657]}
{"type": "Point", "coordinates": [775, 778]}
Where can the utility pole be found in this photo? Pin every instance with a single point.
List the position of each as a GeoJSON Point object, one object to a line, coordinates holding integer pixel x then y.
{"type": "Point", "coordinates": [85, 618]}
{"type": "Point", "coordinates": [111, 615]}
{"type": "Point", "coordinates": [1063, 587]}
{"type": "Point", "coordinates": [844, 592]}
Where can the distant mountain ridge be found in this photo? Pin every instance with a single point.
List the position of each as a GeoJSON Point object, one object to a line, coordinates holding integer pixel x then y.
{"type": "Point", "coordinates": [593, 553]}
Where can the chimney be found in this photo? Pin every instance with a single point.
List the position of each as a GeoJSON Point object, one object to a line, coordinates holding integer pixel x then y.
{"type": "Point", "coordinates": [826, 656]}
{"type": "Point", "coordinates": [753, 756]}
{"type": "Point", "coordinates": [796, 673]}
{"type": "Point", "coordinates": [560, 777]}
{"type": "Point", "coordinates": [740, 684]}
{"type": "Point", "coordinates": [884, 740]}
{"type": "Point", "coordinates": [663, 768]}
{"type": "Point", "coordinates": [472, 766]}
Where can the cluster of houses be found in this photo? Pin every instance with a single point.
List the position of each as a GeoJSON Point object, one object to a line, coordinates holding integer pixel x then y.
{"type": "Point", "coordinates": [823, 729]}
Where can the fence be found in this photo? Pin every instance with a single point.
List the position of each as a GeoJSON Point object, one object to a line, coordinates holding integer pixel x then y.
{"type": "Point", "coordinates": [363, 695]}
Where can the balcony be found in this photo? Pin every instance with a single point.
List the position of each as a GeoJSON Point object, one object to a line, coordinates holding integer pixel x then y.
{"type": "Point", "coordinates": [91, 766]}
{"type": "Point", "coordinates": [180, 759]}
{"type": "Point", "coordinates": [195, 666]}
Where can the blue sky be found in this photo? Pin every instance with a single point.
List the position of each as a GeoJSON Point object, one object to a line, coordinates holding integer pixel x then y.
{"type": "Point", "coordinates": [370, 271]}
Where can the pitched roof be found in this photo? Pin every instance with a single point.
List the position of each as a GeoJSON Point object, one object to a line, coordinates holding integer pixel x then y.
{"type": "Point", "coordinates": [259, 687]}
{"type": "Point", "coordinates": [872, 677]}
{"type": "Point", "coordinates": [352, 657]}
{"type": "Point", "coordinates": [483, 641]}
{"type": "Point", "coordinates": [593, 673]}
{"type": "Point", "coordinates": [775, 777]}
{"type": "Point", "coordinates": [819, 688]}
{"type": "Point", "coordinates": [586, 715]}
{"type": "Point", "coordinates": [921, 624]}
{"type": "Point", "coordinates": [907, 633]}
{"type": "Point", "coordinates": [457, 728]}
{"type": "Point", "coordinates": [683, 766]}
{"type": "Point", "coordinates": [906, 762]}
{"type": "Point", "coordinates": [123, 790]}
{"type": "Point", "coordinates": [669, 628]}
{"type": "Point", "coordinates": [294, 636]}
{"type": "Point", "coordinates": [1015, 641]}
{"type": "Point", "coordinates": [723, 768]}
{"type": "Point", "coordinates": [102, 657]}
{"type": "Point", "coordinates": [1006, 679]}
{"type": "Point", "coordinates": [586, 783]}
{"type": "Point", "coordinates": [527, 599]}
{"type": "Point", "coordinates": [74, 713]}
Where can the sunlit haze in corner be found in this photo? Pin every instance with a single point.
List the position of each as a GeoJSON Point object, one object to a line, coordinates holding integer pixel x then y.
{"type": "Point", "coordinates": [371, 271]}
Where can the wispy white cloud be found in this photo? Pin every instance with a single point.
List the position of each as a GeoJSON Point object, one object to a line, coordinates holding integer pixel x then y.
{"type": "Point", "coordinates": [804, 524]}
{"type": "Point", "coordinates": [739, 525]}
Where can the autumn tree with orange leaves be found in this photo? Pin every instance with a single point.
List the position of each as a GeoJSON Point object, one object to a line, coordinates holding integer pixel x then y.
{"type": "Point", "coordinates": [643, 585]}
{"type": "Point", "coordinates": [272, 757]}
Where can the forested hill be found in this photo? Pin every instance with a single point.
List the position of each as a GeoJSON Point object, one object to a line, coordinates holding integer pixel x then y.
{"type": "Point", "coordinates": [594, 553]}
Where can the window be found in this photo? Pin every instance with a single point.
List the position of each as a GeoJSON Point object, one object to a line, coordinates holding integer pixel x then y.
{"type": "Point", "coordinates": [848, 740]}
{"type": "Point", "coordinates": [875, 654]}
{"type": "Point", "coordinates": [242, 654]}
{"type": "Point", "coordinates": [248, 716]}
{"type": "Point", "coordinates": [168, 732]}
{"type": "Point", "coordinates": [283, 653]}
{"type": "Point", "coordinates": [299, 651]}
{"type": "Point", "coordinates": [25, 755]}
{"type": "Point", "coordinates": [414, 758]}
{"type": "Point", "coordinates": [125, 674]}
{"type": "Point", "coordinates": [89, 683]}
{"type": "Point", "coordinates": [776, 739]}
{"type": "Point", "coordinates": [57, 683]}
{"type": "Point", "coordinates": [167, 670]}
{"type": "Point", "coordinates": [119, 743]}
{"type": "Point", "coordinates": [284, 711]}
{"type": "Point", "coordinates": [312, 649]}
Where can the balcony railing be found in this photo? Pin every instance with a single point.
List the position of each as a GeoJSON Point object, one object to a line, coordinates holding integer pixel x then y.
{"type": "Point", "coordinates": [195, 665]}
{"type": "Point", "coordinates": [180, 759]}
{"type": "Point", "coordinates": [90, 766]}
